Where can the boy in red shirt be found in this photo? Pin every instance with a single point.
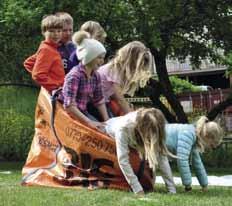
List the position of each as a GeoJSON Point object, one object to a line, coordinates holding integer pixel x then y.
{"type": "Point", "coordinates": [48, 69]}
{"type": "Point", "coordinates": [66, 46]}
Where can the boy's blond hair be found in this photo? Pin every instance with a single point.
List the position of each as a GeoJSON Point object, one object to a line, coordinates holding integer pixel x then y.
{"type": "Point", "coordinates": [208, 131]}
{"type": "Point", "coordinates": [65, 17]}
{"type": "Point", "coordinates": [134, 64]}
{"type": "Point", "coordinates": [51, 22]}
{"type": "Point", "coordinates": [149, 135]}
{"type": "Point", "coordinates": [94, 29]}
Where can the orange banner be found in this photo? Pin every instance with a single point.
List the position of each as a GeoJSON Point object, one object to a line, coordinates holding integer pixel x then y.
{"type": "Point", "coordinates": [75, 155]}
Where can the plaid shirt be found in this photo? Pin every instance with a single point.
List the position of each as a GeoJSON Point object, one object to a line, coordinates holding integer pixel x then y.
{"type": "Point", "coordinates": [78, 90]}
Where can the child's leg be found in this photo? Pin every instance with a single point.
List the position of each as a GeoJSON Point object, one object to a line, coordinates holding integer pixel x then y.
{"type": "Point", "coordinates": [166, 173]}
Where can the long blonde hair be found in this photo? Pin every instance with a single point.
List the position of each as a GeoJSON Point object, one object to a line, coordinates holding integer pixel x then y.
{"type": "Point", "coordinates": [134, 64]}
{"type": "Point", "coordinates": [207, 129]}
{"type": "Point", "coordinates": [149, 135]}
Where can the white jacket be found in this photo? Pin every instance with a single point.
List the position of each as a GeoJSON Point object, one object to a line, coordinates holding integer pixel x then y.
{"type": "Point", "coordinates": [120, 129]}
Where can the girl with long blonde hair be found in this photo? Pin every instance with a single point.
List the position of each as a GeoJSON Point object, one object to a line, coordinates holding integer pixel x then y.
{"type": "Point", "coordinates": [130, 69]}
{"type": "Point", "coordinates": [142, 130]}
{"type": "Point", "coordinates": [187, 141]}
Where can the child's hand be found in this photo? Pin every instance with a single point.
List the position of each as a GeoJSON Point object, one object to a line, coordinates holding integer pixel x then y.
{"type": "Point", "coordinates": [97, 125]}
{"type": "Point", "coordinates": [188, 188]}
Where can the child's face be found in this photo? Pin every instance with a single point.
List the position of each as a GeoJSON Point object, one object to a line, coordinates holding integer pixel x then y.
{"type": "Point", "coordinates": [53, 34]}
{"type": "Point", "coordinates": [67, 33]}
{"type": "Point", "coordinates": [97, 62]}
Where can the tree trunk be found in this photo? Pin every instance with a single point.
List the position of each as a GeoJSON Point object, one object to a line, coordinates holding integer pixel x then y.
{"type": "Point", "coordinates": [161, 69]}
{"type": "Point", "coordinates": [212, 114]}
{"type": "Point", "coordinates": [154, 90]}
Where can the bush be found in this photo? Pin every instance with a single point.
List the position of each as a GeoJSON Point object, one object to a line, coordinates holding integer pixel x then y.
{"type": "Point", "coordinates": [180, 85]}
{"type": "Point", "coordinates": [17, 108]}
{"type": "Point", "coordinates": [220, 157]}
{"type": "Point", "coordinates": [16, 132]}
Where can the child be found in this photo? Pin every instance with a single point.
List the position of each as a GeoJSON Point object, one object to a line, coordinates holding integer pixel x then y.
{"type": "Point", "coordinates": [129, 69]}
{"type": "Point", "coordinates": [65, 47]}
{"type": "Point", "coordinates": [82, 84]}
{"type": "Point", "coordinates": [142, 130]}
{"type": "Point", "coordinates": [186, 141]}
{"type": "Point", "coordinates": [96, 32]}
{"type": "Point", "coordinates": [48, 70]}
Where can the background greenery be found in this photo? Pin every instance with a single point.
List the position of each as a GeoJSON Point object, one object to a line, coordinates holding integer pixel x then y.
{"type": "Point", "coordinates": [176, 28]}
{"type": "Point", "coordinates": [17, 109]}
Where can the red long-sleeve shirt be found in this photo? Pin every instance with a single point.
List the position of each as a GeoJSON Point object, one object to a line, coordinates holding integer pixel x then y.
{"type": "Point", "coordinates": [48, 69]}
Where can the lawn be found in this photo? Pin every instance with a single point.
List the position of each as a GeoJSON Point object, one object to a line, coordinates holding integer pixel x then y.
{"type": "Point", "coordinates": [12, 193]}
{"type": "Point", "coordinates": [18, 105]}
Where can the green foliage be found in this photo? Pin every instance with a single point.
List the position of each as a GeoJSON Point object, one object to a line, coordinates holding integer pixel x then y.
{"type": "Point", "coordinates": [16, 122]}
{"type": "Point", "coordinates": [228, 63]}
{"type": "Point", "coordinates": [16, 132]}
{"type": "Point", "coordinates": [180, 85]}
{"type": "Point", "coordinates": [219, 157]}
{"type": "Point", "coordinates": [177, 27]}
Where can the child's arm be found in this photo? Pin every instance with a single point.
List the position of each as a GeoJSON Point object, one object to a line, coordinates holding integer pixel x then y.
{"type": "Point", "coordinates": [98, 99]}
{"type": "Point", "coordinates": [166, 173]}
{"type": "Point", "coordinates": [124, 163]}
{"type": "Point", "coordinates": [40, 72]}
{"type": "Point", "coordinates": [199, 169]}
{"type": "Point", "coordinates": [74, 111]}
{"type": "Point", "coordinates": [119, 97]}
{"type": "Point", "coordinates": [184, 147]}
{"type": "Point", "coordinates": [102, 110]}
{"type": "Point", "coordinates": [29, 63]}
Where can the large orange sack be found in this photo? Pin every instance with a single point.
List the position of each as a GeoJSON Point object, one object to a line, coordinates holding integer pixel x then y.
{"type": "Point", "coordinates": [74, 155]}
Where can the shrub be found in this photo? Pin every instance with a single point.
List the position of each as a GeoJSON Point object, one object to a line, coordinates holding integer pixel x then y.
{"type": "Point", "coordinates": [16, 131]}
{"type": "Point", "coordinates": [17, 108]}
{"type": "Point", "coordinates": [180, 85]}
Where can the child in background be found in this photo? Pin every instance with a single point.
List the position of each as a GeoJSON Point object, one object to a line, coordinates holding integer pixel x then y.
{"type": "Point", "coordinates": [83, 84]}
{"type": "Point", "coordinates": [48, 70]}
{"type": "Point", "coordinates": [186, 141]}
{"type": "Point", "coordinates": [96, 32]}
{"type": "Point", "coordinates": [142, 130]}
{"type": "Point", "coordinates": [65, 47]}
{"type": "Point", "coordinates": [130, 69]}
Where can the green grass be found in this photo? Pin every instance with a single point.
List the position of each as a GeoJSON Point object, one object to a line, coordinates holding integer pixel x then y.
{"type": "Point", "coordinates": [12, 193]}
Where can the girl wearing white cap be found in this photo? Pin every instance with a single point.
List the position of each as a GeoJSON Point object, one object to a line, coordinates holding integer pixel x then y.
{"type": "Point", "coordinates": [83, 84]}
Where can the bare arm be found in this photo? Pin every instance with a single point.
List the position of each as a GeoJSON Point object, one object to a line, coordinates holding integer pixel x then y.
{"type": "Point", "coordinates": [74, 111]}
{"type": "Point", "coordinates": [102, 110]}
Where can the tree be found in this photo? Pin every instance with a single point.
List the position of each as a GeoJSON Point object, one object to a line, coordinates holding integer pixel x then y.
{"type": "Point", "coordinates": [182, 28]}
{"type": "Point", "coordinates": [179, 28]}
